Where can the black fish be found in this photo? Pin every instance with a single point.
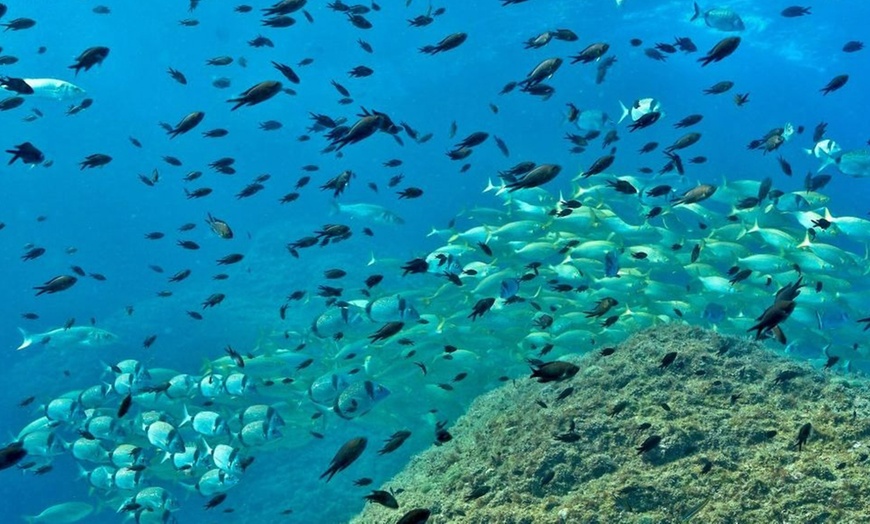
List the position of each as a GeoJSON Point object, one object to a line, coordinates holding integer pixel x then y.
{"type": "Point", "coordinates": [803, 435]}
{"type": "Point", "coordinates": [394, 442]}
{"type": "Point", "coordinates": [480, 307]}
{"type": "Point", "coordinates": [384, 498]}
{"type": "Point", "coordinates": [721, 50]}
{"type": "Point", "coordinates": [13, 454]}
{"type": "Point", "coordinates": [27, 153]}
{"type": "Point", "coordinates": [836, 83]}
{"type": "Point", "coordinates": [386, 331]}
{"type": "Point", "coordinates": [125, 405]}
{"type": "Point", "coordinates": [346, 455]}
{"type": "Point", "coordinates": [668, 359]}
{"type": "Point", "coordinates": [555, 371]}
{"type": "Point", "coordinates": [649, 444]}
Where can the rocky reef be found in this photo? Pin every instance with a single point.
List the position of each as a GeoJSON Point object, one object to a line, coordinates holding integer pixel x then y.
{"type": "Point", "coordinates": [727, 432]}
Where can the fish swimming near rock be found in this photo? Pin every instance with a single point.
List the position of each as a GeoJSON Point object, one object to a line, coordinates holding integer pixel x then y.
{"type": "Point", "coordinates": [64, 337]}
{"type": "Point", "coordinates": [51, 88]}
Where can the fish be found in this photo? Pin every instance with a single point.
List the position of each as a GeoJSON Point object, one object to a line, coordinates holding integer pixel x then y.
{"type": "Point", "coordinates": [346, 455]}
{"type": "Point", "coordinates": [87, 336]}
{"type": "Point", "coordinates": [50, 89]}
{"type": "Point", "coordinates": [720, 18]}
{"type": "Point", "coordinates": [854, 163]}
{"type": "Point", "coordinates": [639, 109]}
{"type": "Point", "coordinates": [358, 399]}
{"type": "Point", "coordinates": [67, 512]}
{"type": "Point", "coordinates": [555, 371]}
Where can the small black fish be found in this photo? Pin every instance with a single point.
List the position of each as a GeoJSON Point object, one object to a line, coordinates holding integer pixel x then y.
{"type": "Point", "coordinates": [649, 444]}
{"type": "Point", "coordinates": [803, 435]}
{"type": "Point", "coordinates": [215, 501]}
{"type": "Point", "coordinates": [384, 498]}
{"type": "Point", "coordinates": [125, 405]}
{"type": "Point", "coordinates": [668, 359]}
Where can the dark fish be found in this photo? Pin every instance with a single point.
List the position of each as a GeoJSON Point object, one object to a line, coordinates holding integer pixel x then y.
{"type": "Point", "coordinates": [599, 165]}
{"type": "Point", "coordinates": [346, 455]}
{"type": "Point", "coordinates": [591, 53]}
{"type": "Point", "coordinates": [721, 50]}
{"type": "Point", "coordinates": [417, 515]}
{"type": "Point", "coordinates": [668, 359]}
{"type": "Point", "coordinates": [27, 153]}
{"type": "Point", "coordinates": [719, 88]}
{"type": "Point", "coordinates": [689, 121]}
{"type": "Point", "coordinates": [785, 166]}
{"type": "Point", "coordinates": [125, 405]}
{"type": "Point", "coordinates": [649, 444]}
{"type": "Point", "coordinates": [394, 442]}
{"type": "Point", "coordinates": [795, 11]}
{"type": "Point", "coordinates": [56, 284]}
{"type": "Point", "coordinates": [773, 316]}
{"type": "Point", "coordinates": [555, 371]}
{"type": "Point", "coordinates": [256, 94]}
{"type": "Point", "coordinates": [853, 46]}
{"type": "Point", "coordinates": [836, 83]}
{"type": "Point", "coordinates": [481, 307]}
{"type": "Point", "coordinates": [89, 58]}
{"type": "Point", "coordinates": [386, 331]}
{"type": "Point", "coordinates": [215, 501]}
{"type": "Point", "coordinates": [15, 453]}
{"type": "Point", "coordinates": [384, 498]}
{"type": "Point", "coordinates": [446, 44]}
{"type": "Point", "coordinates": [803, 435]}
{"type": "Point", "coordinates": [178, 76]}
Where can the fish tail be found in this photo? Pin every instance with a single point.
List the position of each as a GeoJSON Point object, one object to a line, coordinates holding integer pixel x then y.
{"type": "Point", "coordinates": [697, 12]}
{"type": "Point", "coordinates": [26, 342]}
{"type": "Point", "coordinates": [624, 112]}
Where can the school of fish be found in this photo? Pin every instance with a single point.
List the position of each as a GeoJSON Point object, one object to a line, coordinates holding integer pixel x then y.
{"type": "Point", "coordinates": [562, 260]}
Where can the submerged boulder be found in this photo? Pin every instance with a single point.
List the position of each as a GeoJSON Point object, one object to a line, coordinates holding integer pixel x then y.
{"type": "Point", "coordinates": [711, 434]}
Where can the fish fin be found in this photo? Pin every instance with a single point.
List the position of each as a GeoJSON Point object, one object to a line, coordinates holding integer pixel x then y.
{"type": "Point", "coordinates": [186, 418]}
{"type": "Point", "coordinates": [624, 112]}
{"type": "Point", "coordinates": [828, 161]}
{"type": "Point", "coordinates": [334, 207]}
{"type": "Point", "coordinates": [372, 261]}
{"type": "Point", "coordinates": [829, 217]}
{"type": "Point", "coordinates": [26, 341]}
{"type": "Point", "coordinates": [806, 242]}
{"type": "Point", "coordinates": [208, 449]}
{"type": "Point", "coordinates": [754, 228]}
{"type": "Point", "coordinates": [697, 12]}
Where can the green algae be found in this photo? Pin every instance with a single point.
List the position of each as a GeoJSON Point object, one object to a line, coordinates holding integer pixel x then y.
{"type": "Point", "coordinates": [727, 411]}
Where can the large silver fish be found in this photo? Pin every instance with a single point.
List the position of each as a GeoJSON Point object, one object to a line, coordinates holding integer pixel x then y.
{"type": "Point", "coordinates": [369, 212]}
{"type": "Point", "coordinates": [54, 89]}
{"type": "Point", "coordinates": [720, 18]}
{"type": "Point", "coordinates": [359, 398]}
{"type": "Point", "coordinates": [855, 163]}
{"type": "Point", "coordinates": [75, 336]}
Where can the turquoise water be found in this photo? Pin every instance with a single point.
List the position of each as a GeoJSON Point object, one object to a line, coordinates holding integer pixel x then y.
{"type": "Point", "coordinates": [96, 219]}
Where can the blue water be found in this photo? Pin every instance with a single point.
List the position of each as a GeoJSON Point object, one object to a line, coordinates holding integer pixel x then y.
{"type": "Point", "coordinates": [104, 213]}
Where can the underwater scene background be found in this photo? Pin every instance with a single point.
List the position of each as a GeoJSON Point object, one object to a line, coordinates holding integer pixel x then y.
{"type": "Point", "coordinates": [485, 272]}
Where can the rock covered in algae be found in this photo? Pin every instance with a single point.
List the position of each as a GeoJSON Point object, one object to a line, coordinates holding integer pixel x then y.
{"type": "Point", "coordinates": [728, 413]}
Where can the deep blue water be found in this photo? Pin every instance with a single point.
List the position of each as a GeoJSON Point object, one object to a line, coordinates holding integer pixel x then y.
{"type": "Point", "coordinates": [104, 213]}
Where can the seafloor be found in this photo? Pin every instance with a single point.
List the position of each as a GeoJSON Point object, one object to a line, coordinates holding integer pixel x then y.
{"type": "Point", "coordinates": [728, 412]}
